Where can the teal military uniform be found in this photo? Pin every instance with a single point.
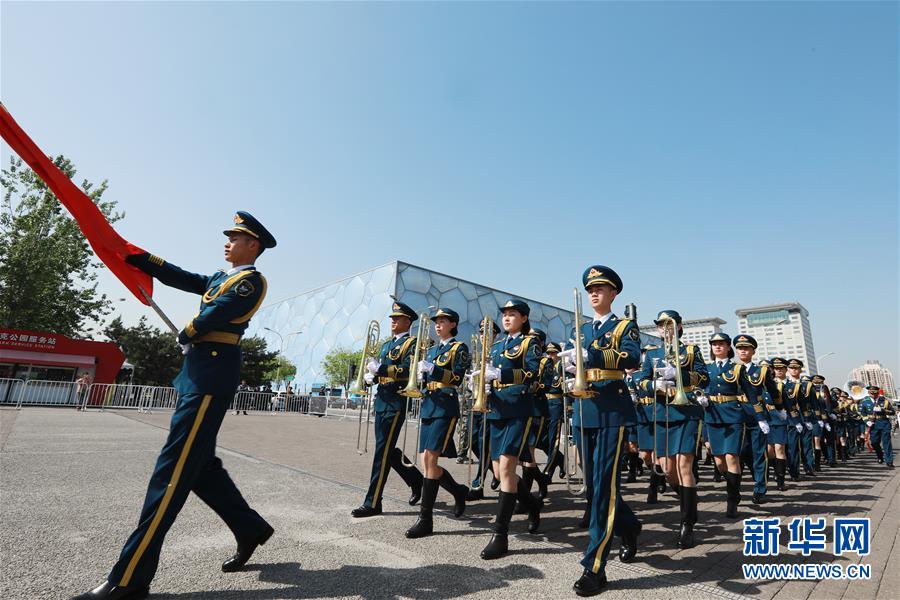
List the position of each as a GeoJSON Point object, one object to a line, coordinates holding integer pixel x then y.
{"type": "Point", "coordinates": [555, 416]}
{"type": "Point", "coordinates": [206, 386]}
{"type": "Point", "coordinates": [391, 376]}
{"type": "Point", "coordinates": [769, 405]}
{"type": "Point", "coordinates": [878, 410]}
{"type": "Point", "coordinates": [440, 406]}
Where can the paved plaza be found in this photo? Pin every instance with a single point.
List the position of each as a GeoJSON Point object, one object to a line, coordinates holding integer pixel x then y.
{"type": "Point", "coordinates": [72, 485]}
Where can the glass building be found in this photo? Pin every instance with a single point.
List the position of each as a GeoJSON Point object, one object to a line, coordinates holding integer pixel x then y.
{"type": "Point", "coordinates": [337, 315]}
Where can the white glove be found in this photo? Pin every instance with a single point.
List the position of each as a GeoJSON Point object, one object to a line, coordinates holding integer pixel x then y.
{"type": "Point", "coordinates": [425, 367]}
{"type": "Point", "coordinates": [569, 355]}
{"type": "Point", "coordinates": [372, 365]}
{"type": "Point", "coordinates": [662, 385]}
{"type": "Point", "coordinates": [491, 373]}
{"type": "Point", "coordinates": [185, 348]}
{"type": "Point", "coordinates": [487, 389]}
{"type": "Point", "coordinates": [799, 427]}
{"type": "Point", "coordinates": [782, 414]}
{"type": "Point", "coordinates": [833, 417]}
{"type": "Point", "coordinates": [667, 372]}
{"type": "Point", "coordinates": [763, 426]}
{"type": "Point", "coordinates": [702, 400]}
{"type": "Point", "coordinates": [876, 409]}
{"type": "Point", "coordinates": [570, 383]}
{"type": "Point", "coordinates": [570, 368]}
{"type": "Point", "coordinates": [827, 427]}
{"type": "Point", "coordinates": [869, 423]}
{"type": "Point", "coordinates": [808, 426]}
{"type": "Point", "coordinates": [369, 378]}
{"type": "Point", "coordinates": [821, 423]}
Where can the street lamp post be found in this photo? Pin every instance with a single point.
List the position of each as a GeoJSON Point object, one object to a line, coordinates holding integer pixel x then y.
{"type": "Point", "coordinates": [281, 345]}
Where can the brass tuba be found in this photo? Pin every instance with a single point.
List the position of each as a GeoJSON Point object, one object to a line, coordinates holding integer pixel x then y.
{"type": "Point", "coordinates": [856, 389]}
{"type": "Point", "coordinates": [370, 349]}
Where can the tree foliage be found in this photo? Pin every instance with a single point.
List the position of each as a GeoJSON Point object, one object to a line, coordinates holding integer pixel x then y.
{"type": "Point", "coordinates": [154, 353]}
{"type": "Point", "coordinates": [336, 364]}
{"type": "Point", "coordinates": [258, 361]}
{"type": "Point", "coordinates": [280, 370]}
{"type": "Point", "coordinates": [48, 273]}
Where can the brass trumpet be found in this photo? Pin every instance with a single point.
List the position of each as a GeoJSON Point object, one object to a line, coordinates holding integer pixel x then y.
{"type": "Point", "coordinates": [370, 349]}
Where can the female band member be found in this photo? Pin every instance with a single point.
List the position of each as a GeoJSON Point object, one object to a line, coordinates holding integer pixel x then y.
{"type": "Point", "coordinates": [729, 388]}
{"type": "Point", "coordinates": [442, 371]}
{"type": "Point", "coordinates": [515, 360]}
{"type": "Point", "coordinates": [677, 426]}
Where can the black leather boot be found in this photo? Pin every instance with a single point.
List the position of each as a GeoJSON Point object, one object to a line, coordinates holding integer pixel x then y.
{"type": "Point", "coordinates": [780, 465]}
{"type": "Point", "coordinates": [108, 591]}
{"type": "Point", "coordinates": [733, 483]}
{"type": "Point", "coordinates": [632, 467]}
{"type": "Point", "coordinates": [499, 544]}
{"type": "Point", "coordinates": [589, 584]}
{"type": "Point", "coordinates": [628, 549]}
{"type": "Point", "coordinates": [457, 490]}
{"type": "Point", "coordinates": [652, 491]}
{"type": "Point", "coordinates": [542, 481]}
{"type": "Point", "coordinates": [717, 474]}
{"type": "Point", "coordinates": [424, 526]}
{"type": "Point", "coordinates": [532, 507]}
{"type": "Point", "coordinates": [688, 517]}
{"type": "Point", "coordinates": [817, 460]}
{"type": "Point", "coordinates": [245, 551]}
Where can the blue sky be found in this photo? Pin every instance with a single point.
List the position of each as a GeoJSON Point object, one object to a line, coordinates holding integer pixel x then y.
{"type": "Point", "coordinates": [717, 155]}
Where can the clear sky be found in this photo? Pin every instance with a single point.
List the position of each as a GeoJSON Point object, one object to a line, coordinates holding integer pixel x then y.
{"type": "Point", "coordinates": [717, 155]}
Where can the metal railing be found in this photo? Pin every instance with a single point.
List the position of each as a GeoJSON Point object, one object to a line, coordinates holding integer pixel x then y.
{"type": "Point", "coordinates": [10, 389]}
{"type": "Point", "coordinates": [145, 398]}
{"type": "Point", "coordinates": [49, 393]}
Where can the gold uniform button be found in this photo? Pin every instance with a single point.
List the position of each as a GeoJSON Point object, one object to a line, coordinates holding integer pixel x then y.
{"type": "Point", "coordinates": [215, 353]}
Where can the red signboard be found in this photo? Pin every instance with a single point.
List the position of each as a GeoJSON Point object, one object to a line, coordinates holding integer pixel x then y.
{"type": "Point", "coordinates": [43, 348]}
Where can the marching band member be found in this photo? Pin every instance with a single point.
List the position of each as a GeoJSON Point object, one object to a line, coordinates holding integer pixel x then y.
{"type": "Point", "coordinates": [789, 397]}
{"type": "Point", "coordinates": [779, 420]}
{"type": "Point", "coordinates": [391, 371]}
{"type": "Point", "coordinates": [646, 433]}
{"type": "Point", "coordinates": [442, 371]}
{"type": "Point", "coordinates": [611, 345]}
{"type": "Point", "coordinates": [759, 424]}
{"type": "Point", "coordinates": [826, 417]}
{"type": "Point", "coordinates": [483, 455]}
{"type": "Point", "coordinates": [514, 365]}
{"type": "Point", "coordinates": [677, 427]}
{"type": "Point", "coordinates": [729, 388]}
{"type": "Point", "coordinates": [801, 393]}
{"type": "Point", "coordinates": [817, 404]}
{"type": "Point", "coordinates": [537, 437]}
{"type": "Point", "coordinates": [843, 420]}
{"type": "Point", "coordinates": [554, 415]}
{"type": "Point", "coordinates": [878, 410]}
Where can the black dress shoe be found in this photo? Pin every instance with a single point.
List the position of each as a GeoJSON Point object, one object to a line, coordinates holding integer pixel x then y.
{"type": "Point", "coordinates": [890, 465]}
{"type": "Point", "coordinates": [422, 528]}
{"type": "Point", "coordinates": [473, 495]}
{"type": "Point", "coordinates": [108, 591]}
{"type": "Point", "coordinates": [759, 499]}
{"type": "Point", "coordinates": [628, 549]}
{"type": "Point", "coordinates": [365, 511]}
{"type": "Point", "coordinates": [415, 495]}
{"type": "Point", "coordinates": [685, 536]}
{"type": "Point", "coordinates": [590, 584]}
{"type": "Point", "coordinates": [245, 551]}
{"type": "Point", "coordinates": [497, 547]}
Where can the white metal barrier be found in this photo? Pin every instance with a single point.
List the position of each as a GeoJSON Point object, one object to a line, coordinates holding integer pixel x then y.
{"type": "Point", "coordinates": [10, 390]}
{"type": "Point", "coordinates": [48, 393]}
{"type": "Point", "coordinates": [144, 398]}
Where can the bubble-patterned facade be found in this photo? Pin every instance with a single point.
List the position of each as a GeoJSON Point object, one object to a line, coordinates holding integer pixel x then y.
{"type": "Point", "coordinates": [337, 315]}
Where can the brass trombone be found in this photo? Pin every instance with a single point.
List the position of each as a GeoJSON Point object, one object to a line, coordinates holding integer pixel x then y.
{"type": "Point", "coordinates": [367, 396]}
{"type": "Point", "coordinates": [671, 355]}
{"type": "Point", "coordinates": [414, 389]}
{"type": "Point", "coordinates": [479, 396]}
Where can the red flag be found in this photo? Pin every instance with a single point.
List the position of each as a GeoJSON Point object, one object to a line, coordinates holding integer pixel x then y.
{"type": "Point", "coordinates": [109, 246]}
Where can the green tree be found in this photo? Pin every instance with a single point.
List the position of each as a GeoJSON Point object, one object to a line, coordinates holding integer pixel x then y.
{"type": "Point", "coordinates": [280, 370]}
{"type": "Point", "coordinates": [48, 273]}
{"type": "Point", "coordinates": [336, 364]}
{"type": "Point", "coordinates": [154, 353]}
{"type": "Point", "coordinates": [257, 361]}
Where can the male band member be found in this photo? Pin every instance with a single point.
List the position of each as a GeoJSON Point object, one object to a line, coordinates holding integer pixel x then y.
{"type": "Point", "coordinates": [726, 422]}
{"type": "Point", "coordinates": [206, 386]}
{"type": "Point", "coordinates": [801, 393]}
{"type": "Point", "coordinates": [555, 458]}
{"type": "Point", "coordinates": [677, 426]}
{"type": "Point", "coordinates": [391, 371]}
{"type": "Point", "coordinates": [610, 346]}
{"type": "Point", "coordinates": [878, 410]}
{"type": "Point", "coordinates": [514, 364]}
{"type": "Point", "coordinates": [442, 371]}
{"type": "Point", "coordinates": [762, 380]}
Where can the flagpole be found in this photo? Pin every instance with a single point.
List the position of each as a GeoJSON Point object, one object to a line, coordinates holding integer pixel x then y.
{"type": "Point", "coordinates": [158, 310]}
